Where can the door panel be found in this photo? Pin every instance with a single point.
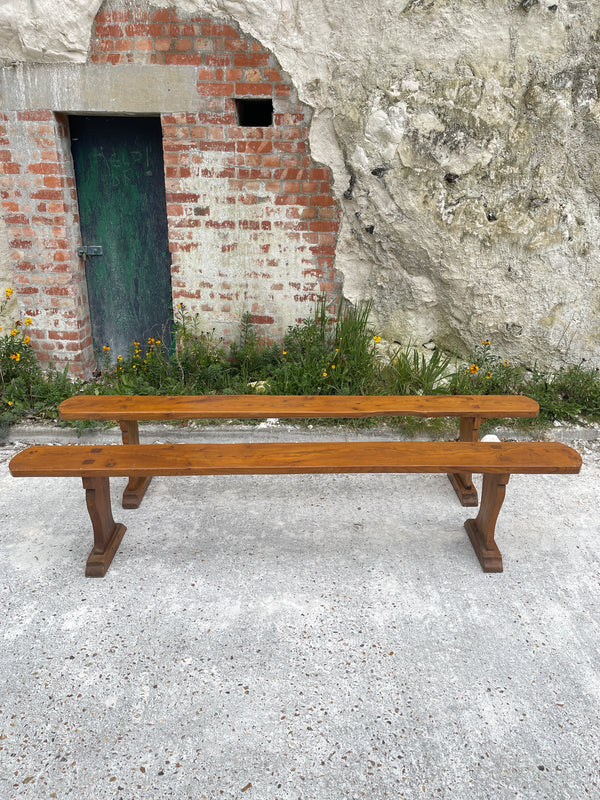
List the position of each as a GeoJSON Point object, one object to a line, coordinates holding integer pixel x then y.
{"type": "Point", "coordinates": [119, 173]}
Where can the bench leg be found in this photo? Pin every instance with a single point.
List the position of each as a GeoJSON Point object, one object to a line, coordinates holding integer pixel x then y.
{"type": "Point", "coordinates": [107, 532]}
{"type": "Point", "coordinates": [462, 482]}
{"type": "Point", "coordinates": [481, 530]}
{"type": "Point", "coordinates": [136, 488]}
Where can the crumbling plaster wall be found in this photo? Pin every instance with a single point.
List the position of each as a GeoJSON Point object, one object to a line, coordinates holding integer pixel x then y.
{"type": "Point", "coordinates": [464, 139]}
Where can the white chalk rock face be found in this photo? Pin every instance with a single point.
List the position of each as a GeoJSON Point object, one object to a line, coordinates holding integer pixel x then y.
{"type": "Point", "coordinates": [463, 138]}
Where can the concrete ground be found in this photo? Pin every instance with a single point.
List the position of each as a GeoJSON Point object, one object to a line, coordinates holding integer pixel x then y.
{"type": "Point", "coordinates": [313, 637]}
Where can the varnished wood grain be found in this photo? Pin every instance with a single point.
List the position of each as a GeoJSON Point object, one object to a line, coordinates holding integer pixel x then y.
{"type": "Point", "coordinates": [295, 458]}
{"type": "Point", "coordinates": [125, 407]}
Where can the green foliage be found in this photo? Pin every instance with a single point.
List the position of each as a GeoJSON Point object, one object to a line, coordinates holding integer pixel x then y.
{"type": "Point", "coordinates": [570, 394]}
{"type": "Point", "coordinates": [252, 359]}
{"type": "Point", "coordinates": [24, 388]}
{"type": "Point", "coordinates": [411, 372]}
{"type": "Point", "coordinates": [324, 354]}
{"type": "Point", "coordinates": [487, 373]}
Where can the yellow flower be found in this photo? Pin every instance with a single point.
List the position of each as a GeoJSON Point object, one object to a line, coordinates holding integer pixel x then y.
{"type": "Point", "coordinates": [333, 366]}
{"type": "Point", "coordinates": [157, 341]}
{"type": "Point", "coordinates": [119, 358]}
{"type": "Point", "coordinates": [26, 340]}
{"type": "Point", "coordinates": [136, 344]}
{"type": "Point", "coordinates": [106, 348]}
{"type": "Point", "coordinates": [505, 362]}
{"type": "Point", "coordinates": [473, 369]}
{"type": "Point", "coordinates": [488, 376]}
{"type": "Point", "coordinates": [28, 321]}
{"type": "Point", "coordinates": [284, 352]}
{"type": "Point", "coordinates": [377, 339]}
{"type": "Point", "coordinates": [486, 342]}
{"type": "Point", "coordinates": [14, 332]}
{"type": "Point", "coordinates": [10, 403]}
{"type": "Point", "coordinates": [324, 374]}
{"type": "Point", "coordinates": [8, 293]}
{"type": "Point", "coordinates": [16, 356]}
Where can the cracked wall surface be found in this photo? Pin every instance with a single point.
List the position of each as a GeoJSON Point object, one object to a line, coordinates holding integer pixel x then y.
{"type": "Point", "coordinates": [464, 141]}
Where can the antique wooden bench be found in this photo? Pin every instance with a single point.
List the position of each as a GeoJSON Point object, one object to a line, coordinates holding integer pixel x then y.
{"type": "Point", "coordinates": [96, 465]}
{"type": "Point", "coordinates": [129, 410]}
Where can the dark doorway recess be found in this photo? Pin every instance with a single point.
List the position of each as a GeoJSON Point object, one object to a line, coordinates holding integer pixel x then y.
{"type": "Point", "coordinates": [254, 113]}
{"type": "Point", "coordinates": [119, 173]}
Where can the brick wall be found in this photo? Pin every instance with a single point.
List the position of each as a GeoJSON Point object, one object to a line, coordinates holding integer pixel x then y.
{"type": "Point", "coordinates": [251, 218]}
{"type": "Point", "coordinates": [37, 190]}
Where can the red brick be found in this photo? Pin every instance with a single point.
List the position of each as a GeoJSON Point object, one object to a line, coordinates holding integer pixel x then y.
{"type": "Point", "coordinates": [183, 59]}
{"type": "Point", "coordinates": [203, 44]}
{"type": "Point", "coordinates": [218, 60]}
{"type": "Point", "coordinates": [44, 169]}
{"type": "Point", "coordinates": [235, 43]}
{"type": "Point", "coordinates": [121, 15]}
{"type": "Point", "coordinates": [210, 29]}
{"type": "Point", "coordinates": [322, 200]}
{"type": "Point", "coordinates": [216, 89]}
{"type": "Point", "coordinates": [144, 45]}
{"type": "Point", "coordinates": [262, 89]}
{"type": "Point", "coordinates": [160, 16]}
{"type": "Point", "coordinates": [63, 335]}
{"type": "Point", "coordinates": [323, 225]}
{"type": "Point", "coordinates": [262, 319]}
{"type": "Point", "coordinates": [250, 60]}
{"type": "Point", "coordinates": [42, 115]}
{"type": "Point", "coordinates": [102, 17]}
{"type": "Point", "coordinates": [123, 45]}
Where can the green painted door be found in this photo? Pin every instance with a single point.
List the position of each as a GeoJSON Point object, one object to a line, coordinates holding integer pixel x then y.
{"type": "Point", "coordinates": [119, 174]}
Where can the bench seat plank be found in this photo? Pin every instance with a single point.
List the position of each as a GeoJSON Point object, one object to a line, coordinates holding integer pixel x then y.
{"type": "Point", "coordinates": [295, 458]}
{"type": "Point", "coordinates": [142, 407]}
{"type": "Point", "coordinates": [96, 465]}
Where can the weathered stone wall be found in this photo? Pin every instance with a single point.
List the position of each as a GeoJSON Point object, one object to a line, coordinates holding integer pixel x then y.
{"type": "Point", "coordinates": [464, 139]}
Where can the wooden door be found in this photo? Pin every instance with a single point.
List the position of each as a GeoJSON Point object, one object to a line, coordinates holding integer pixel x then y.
{"type": "Point", "coordinates": [119, 173]}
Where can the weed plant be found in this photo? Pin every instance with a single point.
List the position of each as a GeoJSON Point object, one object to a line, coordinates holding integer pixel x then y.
{"type": "Point", "coordinates": [320, 355]}
{"type": "Point", "coordinates": [25, 390]}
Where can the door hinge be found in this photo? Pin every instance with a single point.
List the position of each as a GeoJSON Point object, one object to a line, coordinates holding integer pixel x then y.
{"type": "Point", "coordinates": [89, 250]}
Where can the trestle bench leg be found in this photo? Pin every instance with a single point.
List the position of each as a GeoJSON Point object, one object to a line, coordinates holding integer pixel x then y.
{"type": "Point", "coordinates": [462, 482]}
{"type": "Point", "coordinates": [481, 530]}
{"type": "Point", "coordinates": [136, 488]}
{"type": "Point", "coordinates": [107, 532]}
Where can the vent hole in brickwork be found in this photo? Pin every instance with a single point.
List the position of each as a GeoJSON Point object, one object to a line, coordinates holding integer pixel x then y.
{"type": "Point", "coordinates": [254, 113]}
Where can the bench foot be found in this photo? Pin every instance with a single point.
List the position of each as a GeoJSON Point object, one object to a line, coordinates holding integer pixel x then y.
{"type": "Point", "coordinates": [462, 484]}
{"type": "Point", "coordinates": [107, 532]}
{"type": "Point", "coordinates": [481, 530]}
{"type": "Point", "coordinates": [135, 491]}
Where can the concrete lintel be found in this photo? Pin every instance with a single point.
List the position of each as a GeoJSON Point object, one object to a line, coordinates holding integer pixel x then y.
{"type": "Point", "coordinates": [96, 88]}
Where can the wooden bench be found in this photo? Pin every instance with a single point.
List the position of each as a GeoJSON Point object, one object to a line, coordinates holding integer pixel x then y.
{"type": "Point", "coordinates": [96, 465]}
{"type": "Point", "coordinates": [129, 410]}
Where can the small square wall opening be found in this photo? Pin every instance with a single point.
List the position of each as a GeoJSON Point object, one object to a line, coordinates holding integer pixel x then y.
{"type": "Point", "coordinates": [254, 113]}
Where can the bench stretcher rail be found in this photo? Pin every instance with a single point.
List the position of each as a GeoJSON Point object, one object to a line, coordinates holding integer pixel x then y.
{"type": "Point", "coordinates": [128, 410]}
